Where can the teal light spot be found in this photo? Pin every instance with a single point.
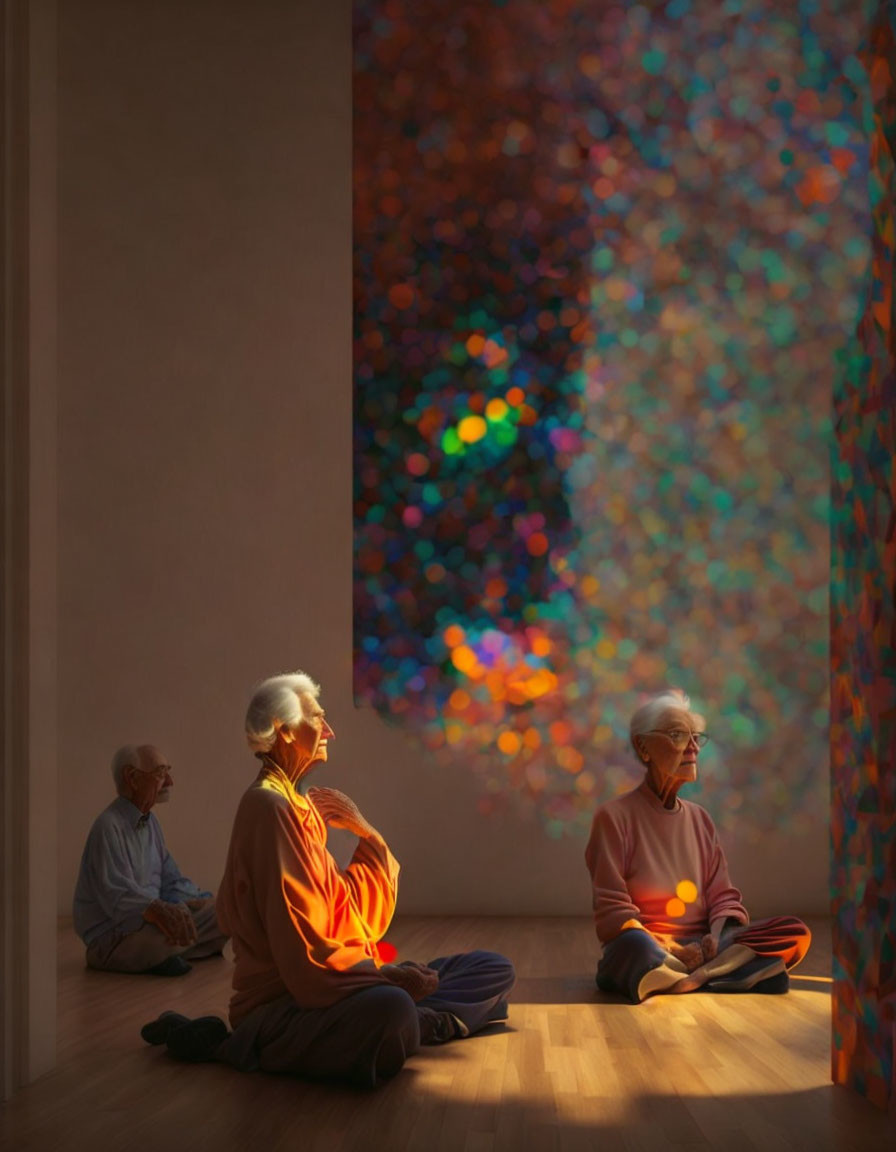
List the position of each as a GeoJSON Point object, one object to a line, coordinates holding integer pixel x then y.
{"type": "Point", "coordinates": [836, 134]}
{"type": "Point", "coordinates": [653, 61]}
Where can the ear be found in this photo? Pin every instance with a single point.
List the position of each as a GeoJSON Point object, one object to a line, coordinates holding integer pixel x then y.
{"type": "Point", "coordinates": [284, 733]}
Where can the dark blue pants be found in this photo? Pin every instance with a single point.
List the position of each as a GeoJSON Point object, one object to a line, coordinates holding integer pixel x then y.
{"type": "Point", "coordinates": [365, 1038]}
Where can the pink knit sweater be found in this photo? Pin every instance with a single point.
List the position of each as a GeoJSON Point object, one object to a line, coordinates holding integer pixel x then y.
{"type": "Point", "coordinates": [298, 923]}
{"type": "Point", "coordinates": [638, 855]}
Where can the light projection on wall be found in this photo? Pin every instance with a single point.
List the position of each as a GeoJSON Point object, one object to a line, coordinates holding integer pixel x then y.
{"type": "Point", "coordinates": [606, 257]}
{"type": "Point", "coordinates": [863, 636]}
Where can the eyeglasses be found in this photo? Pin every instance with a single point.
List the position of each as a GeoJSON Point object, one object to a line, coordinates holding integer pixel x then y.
{"type": "Point", "coordinates": [156, 773]}
{"type": "Point", "coordinates": [681, 738]}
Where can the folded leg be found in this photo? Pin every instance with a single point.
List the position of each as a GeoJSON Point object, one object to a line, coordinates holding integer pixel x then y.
{"type": "Point", "coordinates": [473, 986]}
{"type": "Point", "coordinates": [783, 936]}
{"type": "Point", "coordinates": [634, 965]}
{"type": "Point", "coordinates": [363, 1039]}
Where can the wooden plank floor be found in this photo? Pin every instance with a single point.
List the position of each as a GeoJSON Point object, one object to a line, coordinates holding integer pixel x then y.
{"type": "Point", "coordinates": [571, 1071]}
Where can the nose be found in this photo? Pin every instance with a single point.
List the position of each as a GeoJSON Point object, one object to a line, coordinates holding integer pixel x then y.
{"type": "Point", "coordinates": [327, 732]}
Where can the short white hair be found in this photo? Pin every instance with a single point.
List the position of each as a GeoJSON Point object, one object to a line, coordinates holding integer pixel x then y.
{"type": "Point", "coordinates": [128, 756]}
{"type": "Point", "coordinates": [277, 702]}
{"type": "Point", "coordinates": [646, 718]}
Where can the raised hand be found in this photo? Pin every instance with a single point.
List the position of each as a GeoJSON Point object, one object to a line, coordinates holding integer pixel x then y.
{"type": "Point", "coordinates": [339, 811]}
{"type": "Point", "coordinates": [173, 921]}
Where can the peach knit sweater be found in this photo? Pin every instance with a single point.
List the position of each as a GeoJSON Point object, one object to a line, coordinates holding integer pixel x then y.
{"type": "Point", "coordinates": [638, 854]}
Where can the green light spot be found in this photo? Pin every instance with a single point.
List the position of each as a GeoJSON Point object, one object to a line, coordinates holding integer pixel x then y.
{"type": "Point", "coordinates": [451, 442]}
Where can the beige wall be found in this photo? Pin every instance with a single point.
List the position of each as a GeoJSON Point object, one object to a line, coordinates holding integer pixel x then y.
{"type": "Point", "coordinates": [205, 438]}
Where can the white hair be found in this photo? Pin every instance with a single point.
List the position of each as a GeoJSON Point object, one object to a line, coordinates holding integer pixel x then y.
{"type": "Point", "coordinates": [128, 756]}
{"type": "Point", "coordinates": [647, 717]}
{"type": "Point", "coordinates": [277, 702]}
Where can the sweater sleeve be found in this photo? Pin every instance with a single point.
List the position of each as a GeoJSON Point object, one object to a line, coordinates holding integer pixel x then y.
{"type": "Point", "coordinates": [722, 898]}
{"type": "Point", "coordinates": [305, 908]}
{"type": "Point", "coordinates": [372, 877]}
{"type": "Point", "coordinates": [605, 857]}
{"type": "Point", "coordinates": [117, 891]}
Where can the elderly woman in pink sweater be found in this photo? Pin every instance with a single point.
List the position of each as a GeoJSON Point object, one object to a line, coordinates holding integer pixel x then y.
{"type": "Point", "coordinates": [665, 910]}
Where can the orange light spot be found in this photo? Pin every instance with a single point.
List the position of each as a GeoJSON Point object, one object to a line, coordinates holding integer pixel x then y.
{"type": "Point", "coordinates": [453, 635]}
{"type": "Point", "coordinates": [509, 743]}
{"type": "Point", "coordinates": [476, 344]}
{"type": "Point", "coordinates": [496, 588]}
{"type": "Point", "coordinates": [401, 296]}
{"type": "Point", "coordinates": [541, 646]}
{"type": "Point", "coordinates": [603, 188]}
{"type": "Point", "coordinates": [820, 185]}
{"type": "Point", "coordinates": [459, 700]}
{"type": "Point", "coordinates": [532, 738]}
{"type": "Point", "coordinates": [571, 760]}
{"type": "Point", "coordinates": [464, 659]}
{"type": "Point", "coordinates": [515, 397]}
{"type": "Point", "coordinates": [528, 415]}
{"type": "Point", "coordinates": [560, 731]}
{"type": "Point", "coordinates": [675, 908]}
{"type": "Point", "coordinates": [843, 159]}
{"type": "Point", "coordinates": [494, 681]}
{"type": "Point", "coordinates": [537, 544]}
{"type": "Point", "coordinates": [686, 891]}
{"type": "Point", "coordinates": [471, 429]}
{"type": "Point", "coordinates": [496, 409]}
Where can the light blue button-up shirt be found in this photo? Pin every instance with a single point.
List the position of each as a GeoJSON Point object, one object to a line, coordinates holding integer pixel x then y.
{"type": "Point", "coordinates": [124, 867]}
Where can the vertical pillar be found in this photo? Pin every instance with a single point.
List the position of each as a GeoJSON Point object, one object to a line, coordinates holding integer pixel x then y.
{"type": "Point", "coordinates": [863, 635]}
{"type": "Point", "coordinates": [28, 780]}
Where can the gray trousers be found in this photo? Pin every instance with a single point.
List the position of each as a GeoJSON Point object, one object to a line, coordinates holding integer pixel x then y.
{"type": "Point", "coordinates": [118, 951]}
{"type": "Point", "coordinates": [365, 1038]}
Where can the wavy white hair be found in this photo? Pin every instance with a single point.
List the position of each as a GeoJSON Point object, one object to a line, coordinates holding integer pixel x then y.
{"type": "Point", "coordinates": [277, 701]}
{"type": "Point", "coordinates": [647, 717]}
{"type": "Point", "coordinates": [128, 756]}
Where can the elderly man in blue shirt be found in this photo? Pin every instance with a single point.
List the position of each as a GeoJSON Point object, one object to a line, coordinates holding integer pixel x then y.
{"type": "Point", "coordinates": [133, 908]}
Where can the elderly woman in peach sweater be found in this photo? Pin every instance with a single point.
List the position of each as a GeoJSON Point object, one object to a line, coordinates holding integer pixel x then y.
{"type": "Point", "coordinates": [665, 910]}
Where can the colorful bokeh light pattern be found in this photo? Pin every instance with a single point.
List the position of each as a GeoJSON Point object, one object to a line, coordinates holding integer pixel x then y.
{"type": "Point", "coordinates": [863, 637]}
{"type": "Point", "coordinates": [607, 258]}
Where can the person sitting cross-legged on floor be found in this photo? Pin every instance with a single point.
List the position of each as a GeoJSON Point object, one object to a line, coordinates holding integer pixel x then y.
{"type": "Point", "coordinates": [665, 910]}
{"type": "Point", "coordinates": [311, 995]}
{"type": "Point", "coordinates": [132, 907]}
